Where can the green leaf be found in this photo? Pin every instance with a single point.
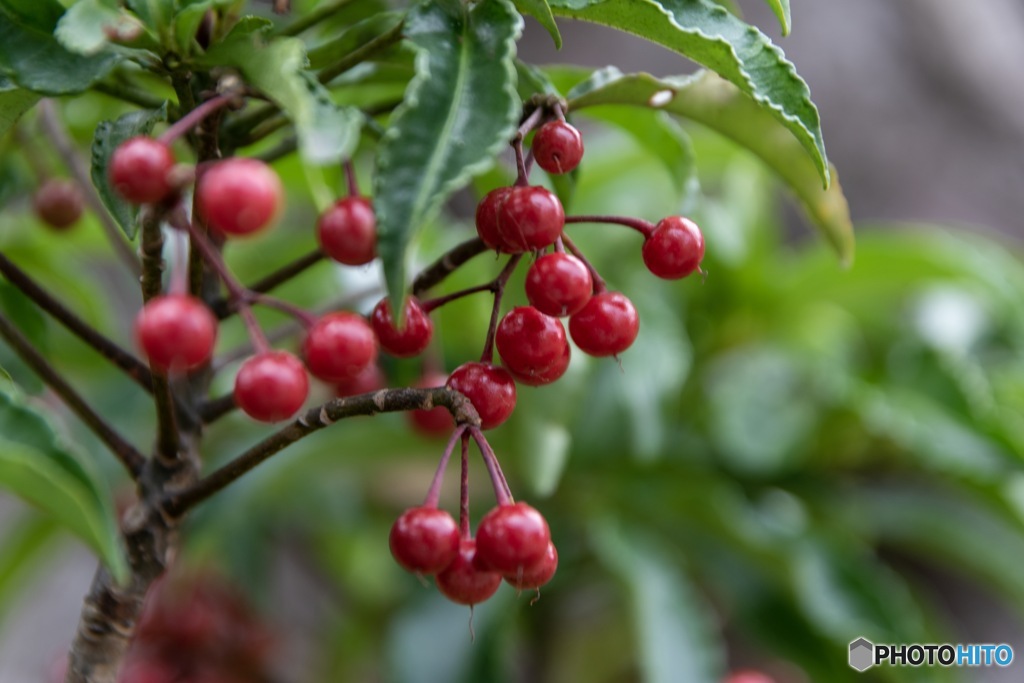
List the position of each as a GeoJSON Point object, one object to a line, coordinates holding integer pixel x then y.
{"type": "Point", "coordinates": [541, 11]}
{"type": "Point", "coordinates": [710, 35]}
{"type": "Point", "coordinates": [38, 467]}
{"type": "Point", "coordinates": [459, 110]}
{"type": "Point", "coordinates": [356, 37]}
{"type": "Point", "coordinates": [156, 15]}
{"type": "Point", "coordinates": [327, 133]}
{"type": "Point", "coordinates": [782, 13]}
{"type": "Point", "coordinates": [110, 134]}
{"type": "Point", "coordinates": [23, 547]}
{"type": "Point", "coordinates": [32, 58]}
{"type": "Point", "coordinates": [14, 103]}
{"type": "Point", "coordinates": [717, 104]}
{"type": "Point", "coordinates": [674, 631]}
{"type": "Point", "coordinates": [83, 27]}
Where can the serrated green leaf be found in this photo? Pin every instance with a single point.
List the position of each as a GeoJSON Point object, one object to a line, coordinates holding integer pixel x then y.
{"type": "Point", "coordinates": [719, 105]}
{"type": "Point", "coordinates": [674, 632]}
{"type": "Point", "coordinates": [83, 28]}
{"type": "Point", "coordinates": [782, 13]}
{"type": "Point", "coordinates": [709, 35]}
{"type": "Point", "coordinates": [110, 134]}
{"type": "Point", "coordinates": [14, 103]}
{"type": "Point", "coordinates": [327, 133]}
{"type": "Point", "coordinates": [541, 11]}
{"type": "Point", "coordinates": [32, 58]}
{"type": "Point", "coordinates": [459, 110]}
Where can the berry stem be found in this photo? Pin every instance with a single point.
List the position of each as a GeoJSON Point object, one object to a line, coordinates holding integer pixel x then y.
{"type": "Point", "coordinates": [522, 172]}
{"type": "Point", "coordinates": [351, 181]}
{"type": "Point", "coordinates": [529, 123]}
{"type": "Point", "coordinates": [464, 530]}
{"type": "Point", "coordinates": [222, 307]}
{"type": "Point", "coordinates": [502, 493]}
{"type": "Point", "coordinates": [434, 492]}
{"type": "Point", "coordinates": [194, 117]}
{"type": "Point", "coordinates": [499, 290]}
{"type": "Point", "coordinates": [447, 264]}
{"type": "Point", "coordinates": [559, 246]}
{"type": "Point", "coordinates": [599, 283]}
{"type": "Point", "coordinates": [432, 304]}
{"type": "Point", "coordinates": [645, 228]}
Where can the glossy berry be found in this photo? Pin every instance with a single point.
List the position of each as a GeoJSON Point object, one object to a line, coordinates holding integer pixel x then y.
{"type": "Point", "coordinates": [414, 335]}
{"type": "Point", "coordinates": [463, 582]}
{"type": "Point", "coordinates": [675, 248]}
{"type": "Point", "coordinates": [339, 346]}
{"type": "Point", "coordinates": [370, 378]}
{"type": "Point", "coordinates": [490, 389]}
{"type": "Point", "coordinates": [58, 203]}
{"type": "Point", "coordinates": [239, 196]}
{"type": "Point", "coordinates": [436, 421]}
{"type": "Point", "coordinates": [749, 676]}
{"type": "Point", "coordinates": [487, 217]}
{"type": "Point", "coordinates": [176, 332]}
{"type": "Point", "coordinates": [531, 217]}
{"type": "Point", "coordinates": [557, 147]}
{"type": "Point", "coordinates": [606, 326]}
{"type": "Point", "coordinates": [552, 373]}
{"type": "Point", "coordinates": [138, 170]}
{"type": "Point", "coordinates": [348, 231]}
{"type": "Point", "coordinates": [529, 342]}
{"type": "Point", "coordinates": [511, 538]}
{"type": "Point", "coordinates": [537, 574]}
{"type": "Point", "coordinates": [558, 284]}
{"type": "Point", "coordinates": [271, 386]}
{"type": "Point", "coordinates": [424, 540]}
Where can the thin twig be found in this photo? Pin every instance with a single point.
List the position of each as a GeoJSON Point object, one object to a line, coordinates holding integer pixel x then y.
{"type": "Point", "coordinates": [499, 290]}
{"type": "Point", "coordinates": [447, 264]}
{"type": "Point", "coordinates": [315, 419]}
{"type": "Point", "coordinates": [645, 228]}
{"type": "Point", "coordinates": [224, 308]}
{"type": "Point", "coordinates": [129, 456]}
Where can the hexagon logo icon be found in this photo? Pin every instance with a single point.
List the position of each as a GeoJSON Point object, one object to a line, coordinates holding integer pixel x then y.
{"type": "Point", "coordinates": [862, 654]}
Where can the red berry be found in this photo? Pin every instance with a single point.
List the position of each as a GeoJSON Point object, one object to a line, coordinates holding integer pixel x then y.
{"type": "Point", "coordinates": [339, 346]}
{"type": "Point", "coordinates": [554, 372]}
{"type": "Point", "coordinates": [369, 379]}
{"type": "Point", "coordinates": [531, 217]}
{"type": "Point", "coordinates": [239, 196]}
{"type": "Point", "coordinates": [558, 284]}
{"type": "Point", "coordinates": [462, 582]}
{"type": "Point", "coordinates": [606, 326]}
{"type": "Point", "coordinates": [138, 170]}
{"type": "Point", "coordinates": [538, 573]}
{"type": "Point", "coordinates": [58, 203]}
{"type": "Point", "coordinates": [424, 540]}
{"type": "Point", "coordinates": [674, 249]}
{"type": "Point", "coordinates": [529, 341]}
{"type": "Point", "coordinates": [271, 386]}
{"type": "Point", "coordinates": [138, 670]}
{"type": "Point", "coordinates": [511, 538]}
{"type": "Point", "coordinates": [176, 332]}
{"type": "Point", "coordinates": [436, 421]}
{"type": "Point", "coordinates": [414, 335]}
{"type": "Point", "coordinates": [749, 676]}
{"type": "Point", "coordinates": [557, 147]}
{"type": "Point", "coordinates": [490, 389]}
{"type": "Point", "coordinates": [348, 231]}
{"type": "Point", "coordinates": [487, 217]}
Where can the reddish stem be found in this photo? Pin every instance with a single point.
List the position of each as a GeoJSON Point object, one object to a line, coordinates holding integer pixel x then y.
{"type": "Point", "coordinates": [645, 228]}
{"type": "Point", "coordinates": [192, 119]}
{"type": "Point", "coordinates": [559, 246]}
{"type": "Point", "coordinates": [302, 315]}
{"type": "Point", "coordinates": [464, 489]}
{"type": "Point", "coordinates": [522, 172]}
{"type": "Point", "coordinates": [529, 123]}
{"type": "Point", "coordinates": [434, 493]}
{"type": "Point", "coordinates": [599, 283]}
{"type": "Point", "coordinates": [350, 179]}
{"type": "Point", "coordinates": [431, 304]}
{"type": "Point", "coordinates": [499, 290]}
{"type": "Point", "coordinates": [502, 493]}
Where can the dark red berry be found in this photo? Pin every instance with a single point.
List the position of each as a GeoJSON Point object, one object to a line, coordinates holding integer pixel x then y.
{"type": "Point", "coordinates": [554, 372]}
{"type": "Point", "coordinates": [58, 203]}
{"type": "Point", "coordinates": [529, 342]}
{"type": "Point", "coordinates": [675, 248]}
{"type": "Point", "coordinates": [239, 196]}
{"type": "Point", "coordinates": [348, 231]}
{"type": "Point", "coordinates": [558, 284]}
{"type": "Point", "coordinates": [424, 540]}
{"type": "Point", "coordinates": [139, 670]}
{"type": "Point", "coordinates": [537, 574]}
{"type": "Point", "coordinates": [531, 217]}
{"type": "Point", "coordinates": [436, 421]}
{"type": "Point", "coordinates": [557, 147]}
{"type": "Point", "coordinates": [412, 338]}
{"type": "Point", "coordinates": [462, 582]}
{"type": "Point", "coordinates": [138, 170]}
{"type": "Point", "coordinates": [487, 217]}
{"type": "Point", "coordinates": [176, 332]}
{"type": "Point", "coordinates": [271, 386]}
{"type": "Point", "coordinates": [749, 676]}
{"type": "Point", "coordinates": [606, 326]}
{"type": "Point", "coordinates": [490, 389]}
{"type": "Point", "coordinates": [511, 538]}
{"type": "Point", "coordinates": [371, 378]}
{"type": "Point", "coordinates": [339, 346]}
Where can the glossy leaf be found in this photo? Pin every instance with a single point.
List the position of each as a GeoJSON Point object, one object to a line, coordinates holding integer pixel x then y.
{"type": "Point", "coordinates": [782, 12]}
{"type": "Point", "coordinates": [82, 28]}
{"type": "Point", "coordinates": [459, 110]}
{"type": "Point", "coordinates": [541, 11]}
{"type": "Point", "coordinates": [110, 134]}
{"type": "Point", "coordinates": [710, 35]}
{"type": "Point", "coordinates": [14, 103]}
{"type": "Point", "coordinates": [717, 104]}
